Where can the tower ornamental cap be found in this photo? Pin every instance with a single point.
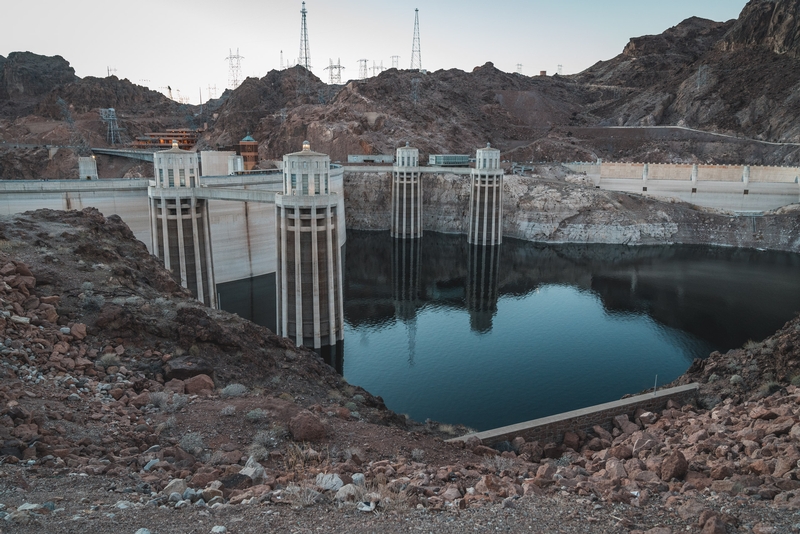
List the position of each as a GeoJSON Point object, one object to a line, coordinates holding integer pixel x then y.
{"type": "Point", "coordinates": [174, 143]}
{"type": "Point", "coordinates": [306, 146]}
{"type": "Point", "coordinates": [406, 143]}
{"type": "Point", "coordinates": [488, 145]}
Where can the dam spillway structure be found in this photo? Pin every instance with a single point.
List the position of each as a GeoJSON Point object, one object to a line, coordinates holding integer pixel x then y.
{"type": "Point", "coordinates": [179, 222]}
{"type": "Point", "coordinates": [406, 195]}
{"type": "Point", "coordinates": [486, 199]}
{"type": "Point", "coordinates": [310, 307]}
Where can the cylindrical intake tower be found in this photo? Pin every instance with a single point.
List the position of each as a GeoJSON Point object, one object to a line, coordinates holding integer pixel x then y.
{"type": "Point", "coordinates": [179, 223]}
{"type": "Point", "coordinates": [486, 199]}
{"type": "Point", "coordinates": [309, 280]}
{"type": "Point", "coordinates": [406, 195]}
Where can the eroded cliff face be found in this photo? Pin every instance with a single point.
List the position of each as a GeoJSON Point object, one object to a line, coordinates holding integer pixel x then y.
{"type": "Point", "coordinates": [770, 24]}
{"type": "Point", "coordinates": [555, 211]}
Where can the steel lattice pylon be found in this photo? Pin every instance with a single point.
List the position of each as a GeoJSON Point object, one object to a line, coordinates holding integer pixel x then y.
{"type": "Point", "coordinates": [416, 55]}
{"type": "Point", "coordinates": [335, 74]}
{"type": "Point", "coordinates": [305, 53]}
{"type": "Point", "coordinates": [234, 69]}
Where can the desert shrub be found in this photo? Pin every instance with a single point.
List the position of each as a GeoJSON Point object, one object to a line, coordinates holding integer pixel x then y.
{"type": "Point", "coordinates": [498, 464]}
{"type": "Point", "coordinates": [750, 345]}
{"type": "Point", "coordinates": [448, 429]}
{"type": "Point", "coordinates": [768, 388]}
{"type": "Point", "coordinates": [192, 442]}
{"type": "Point", "coordinates": [108, 360]}
{"type": "Point", "coordinates": [266, 440]}
{"type": "Point", "coordinates": [228, 411]}
{"type": "Point", "coordinates": [256, 416]}
{"type": "Point", "coordinates": [159, 399]}
{"type": "Point", "coordinates": [303, 495]}
{"type": "Point", "coordinates": [234, 390]}
{"type": "Point", "coordinates": [796, 380]}
{"type": "Point", "coordinates": [178, 402]}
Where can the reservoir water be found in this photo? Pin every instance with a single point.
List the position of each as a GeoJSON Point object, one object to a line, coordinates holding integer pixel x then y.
{"type": "Point", "coordinates": [493, 336]}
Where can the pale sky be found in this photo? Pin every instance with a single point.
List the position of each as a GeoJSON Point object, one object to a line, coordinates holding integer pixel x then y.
{"type": "Point", "coordinates": [185, 44]}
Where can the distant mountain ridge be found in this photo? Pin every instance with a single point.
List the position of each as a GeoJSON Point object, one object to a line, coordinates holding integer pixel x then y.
{"type": "Point", "coordinates": [740, 77]}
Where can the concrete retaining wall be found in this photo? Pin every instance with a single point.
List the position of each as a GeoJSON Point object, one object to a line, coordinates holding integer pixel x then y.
{"type": "Point", "coordinates": [552, 428]}
{"type": "Point", "coordinates": [738, 188]}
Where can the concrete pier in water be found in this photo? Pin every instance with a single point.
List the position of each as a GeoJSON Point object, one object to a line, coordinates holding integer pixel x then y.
{"type": "Point", "coordinates": [406, 195]}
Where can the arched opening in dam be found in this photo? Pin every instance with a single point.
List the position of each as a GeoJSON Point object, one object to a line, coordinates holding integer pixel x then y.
{"type": "Point", "coordinates": [489, 336]}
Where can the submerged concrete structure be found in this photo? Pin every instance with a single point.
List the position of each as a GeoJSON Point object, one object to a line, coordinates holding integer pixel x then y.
{"type": "Point", "coordinates": [486, 199]}
{"type": "Point", "coordinates": [179, 223]}
{"type": "Point", "coordinates": [310, 307]}
{"type": "Point", "coordinates": [406, 195]}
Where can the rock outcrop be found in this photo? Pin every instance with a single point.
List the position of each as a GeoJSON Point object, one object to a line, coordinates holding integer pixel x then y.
{"type": "Point", "coordinates": [26, 75]}
{"type": "Point", "coordinates": [773, 25]}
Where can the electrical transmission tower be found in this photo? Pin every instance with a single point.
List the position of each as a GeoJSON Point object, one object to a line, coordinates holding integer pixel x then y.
{"type": "Point", "coordinates": [212, 92]}
{"type": "Point", "coordinates": [560, 70]}
{"type": "Point", "coordinates": [110, 71]}
{"type": "Point", "coordinates": [519, 68]}
{"type": "Point", "coordinates": [362, 69]}
{"type": "Point", "coordinates": [234, 69]}
{"type": "Point", "coordinates": [395, 62]}
{"type": "Point", "coordinates": [305, 53]}
{"type": "Point", "coordinates": [109, 116]}
{"type": "Point", "coordinates": [335, 74]}
{"type": "Point", "coordinates": [416, 55]}
{"type": "Point", "coordinates": [282, 60]}
{"type": "Point", "coordinates": [377, 69]}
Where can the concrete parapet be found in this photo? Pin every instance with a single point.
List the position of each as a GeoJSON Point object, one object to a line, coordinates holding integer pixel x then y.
{"type": "Point", "coordinates": [552, 428]}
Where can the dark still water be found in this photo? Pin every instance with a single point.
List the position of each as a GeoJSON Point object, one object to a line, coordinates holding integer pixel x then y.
{"type": "Point", "coordinates": [489, 337]}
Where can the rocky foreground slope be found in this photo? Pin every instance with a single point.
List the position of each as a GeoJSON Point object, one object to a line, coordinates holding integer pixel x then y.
{"type": "Point", "coordinates": [124, 404]}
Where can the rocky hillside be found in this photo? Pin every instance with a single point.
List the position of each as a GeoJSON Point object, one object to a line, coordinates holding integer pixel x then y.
{"type": "Point", "coordinates": [738, 77]}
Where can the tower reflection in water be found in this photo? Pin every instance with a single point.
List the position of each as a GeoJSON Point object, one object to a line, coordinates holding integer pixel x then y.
{"type": "Point", "coordinates": [406, 295]}
{"type": "Point", "coordinates": [481, 291]}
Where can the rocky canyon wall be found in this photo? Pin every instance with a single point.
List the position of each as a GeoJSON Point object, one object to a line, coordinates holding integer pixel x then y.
{"type": "Point", "coordinates": [554, 211]}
